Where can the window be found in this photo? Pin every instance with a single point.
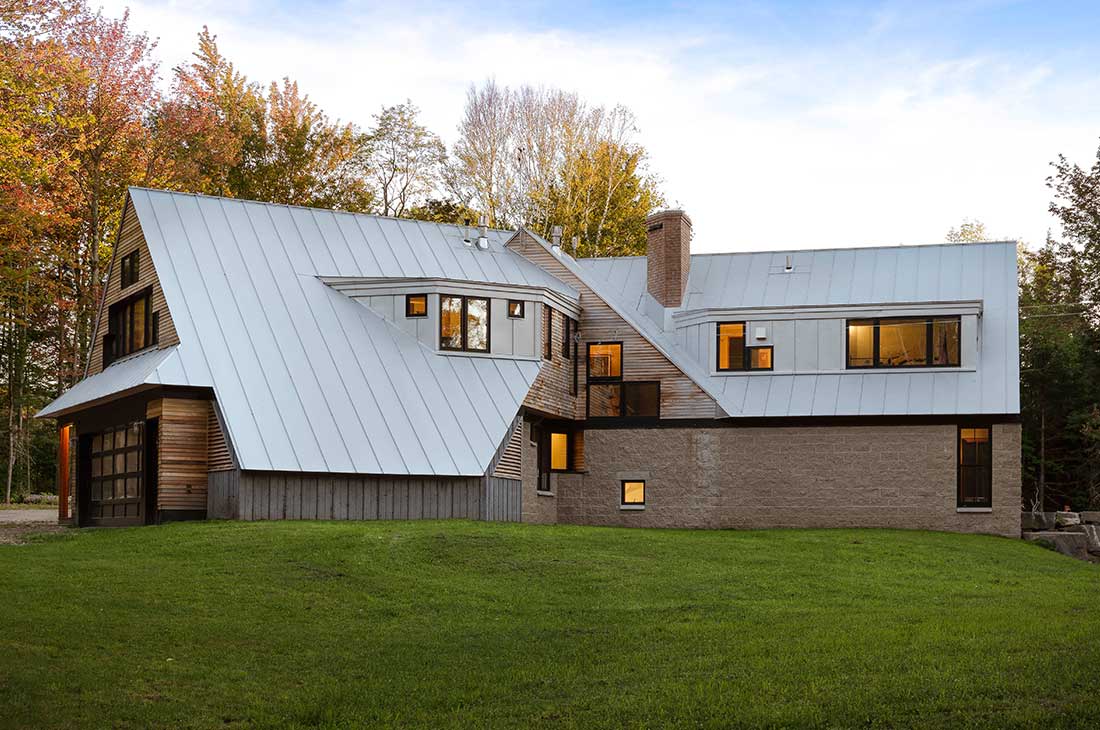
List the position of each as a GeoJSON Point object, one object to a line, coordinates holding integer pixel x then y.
{"type": "Point", "coordinates": [548, 333]}
{"type": "Point", "coordinates": [904, 342]}
{"type": "Point", "coordinates": [463, 323]}
{"type": "Point", "coordinates": [608, 395]}
{"type": "Point", "coordinates": [559, 451]}
{"type": "Point", "coordinates": [116, 471]}
{"type": "Point", "coordinates": [416, 305]}
{"type": "Point", "coordinates": [975, 467]}
{"type": "Point", "coordinates": [633, 493]}
{"type": "Point", "coordinates": [515, 309]}
{"type": "Point", "coordinates": [129, 327]}
{"type": "Point", "coordinates": [731, 345]}
{"type": "Point", "coordinates": [128, 269]}
{"type": "Point", "coordinates": [566, 337]}
{"type": "Point", "coordinates": [760, 358]}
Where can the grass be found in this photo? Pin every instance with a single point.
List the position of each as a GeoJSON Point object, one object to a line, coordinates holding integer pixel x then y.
{"type": "Point", "coordinates": [461, 624]}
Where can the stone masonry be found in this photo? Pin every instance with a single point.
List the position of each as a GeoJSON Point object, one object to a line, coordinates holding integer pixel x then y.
{"type": "Point", "coordinates": [790, 476]}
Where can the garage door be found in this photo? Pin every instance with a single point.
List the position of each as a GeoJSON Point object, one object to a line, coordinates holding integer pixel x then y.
{"type": "Point", "coordinates": [117, 484]}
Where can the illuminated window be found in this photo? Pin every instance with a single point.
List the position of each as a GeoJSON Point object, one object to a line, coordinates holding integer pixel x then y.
{"type": "Point", "coordinates": [903, 342]}
{"type": "Point", "coordinates": [975, 467]}
{"type": "Point", "coordinates": [605, 360]}
{"type": "Point", "coordinates": [633, 493]}
{"type": "Point", "coordinates": [731, 346]}
{"type": "Point", "coordinates": [464, 323]}
{"type": "Point", "coordinates": [760, 358]}
{"type": "Point", "coordinates": [515, 309]}
{"type": "Point", "coordinates": [416, 305]}
{"type": "Point", "coordinates": [128, 327]}
{"type": "Point", "coordinates": [559, 452]}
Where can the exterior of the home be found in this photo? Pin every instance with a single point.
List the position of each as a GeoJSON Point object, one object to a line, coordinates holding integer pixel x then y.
{"type": "Point", "coordinates": [258, 361]}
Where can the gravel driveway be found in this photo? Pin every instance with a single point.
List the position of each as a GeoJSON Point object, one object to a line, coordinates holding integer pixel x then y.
{"type": "Point", "coordinates": [33, 516]}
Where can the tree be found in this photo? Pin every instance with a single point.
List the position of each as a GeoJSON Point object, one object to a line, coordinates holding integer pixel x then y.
{"type": "Point", "coordinates": [484, 175]}
{"type": "Point", "coordinates": [405, 160]}
{"type": "Point", "coordinates": [443, 210]}
{"type": "Point", "coordinates": [969, 231]}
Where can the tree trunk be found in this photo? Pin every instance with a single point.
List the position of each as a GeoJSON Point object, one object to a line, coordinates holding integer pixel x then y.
{"type": "Point", "coordinates": [1041, 496]}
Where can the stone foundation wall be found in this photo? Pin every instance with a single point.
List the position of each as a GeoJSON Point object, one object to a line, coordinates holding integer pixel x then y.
{"type": "Point", "coordinates": [804, 476]}
{"type": "Point", "coordinates": [537, 508]}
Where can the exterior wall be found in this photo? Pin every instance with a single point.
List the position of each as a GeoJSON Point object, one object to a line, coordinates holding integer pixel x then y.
{"type": "Point", "coordinates": [509, 463]}
{"type": "Point", "coordinates": [219, 457]}
{"type": "Point", "coordinates": [538, 508]}
{"type": "Point", "coordinates": [291, 496]}
{"type": "Point", "coordinates": [182, 453]}
{"type": "Point", "coordinates": [901, 476]}
{"type": "Point", "coordinates": [552, 391]}
{"type": "Point", "coordinates": [130, 238]}
{"type": "Point", "coordinates": [680, 396]}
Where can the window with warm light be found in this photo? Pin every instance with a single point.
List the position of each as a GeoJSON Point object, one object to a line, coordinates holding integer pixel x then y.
{"type": "Point", "coordinates": [731, 345]}
{"type": "Point", "coordinates": [463, 323]}
{"type": "Point", "coordinates": [904, 342]}
{"type": "Point", "coordinates": [129, 327]}
{"type": "Point", "coordinates": [416, 305]}
{"type": "Point", "coordinates": [605, 360]}
{"type": "Point", "coordinates": [559, 451]}
{"type": "Point", "coordinates": [633, 493]}
{"type": "Point", "coordinates": [760, 358]}
{"type": "Point", "coordinates": [975, 467]}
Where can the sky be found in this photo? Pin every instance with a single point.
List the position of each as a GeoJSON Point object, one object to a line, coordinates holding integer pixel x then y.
{"type": "Point", "coordinates": [773, 124]}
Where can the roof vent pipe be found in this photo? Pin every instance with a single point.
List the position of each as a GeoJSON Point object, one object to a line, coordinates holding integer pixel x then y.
{"type": "Point", "coordinates": [555, 240]}
{"type": "Point", "coordinates": [483, 233]}
{"type": "Point", "coordinates": [789, 265]}
{"type": "Point", "coordinates": [467, 234]}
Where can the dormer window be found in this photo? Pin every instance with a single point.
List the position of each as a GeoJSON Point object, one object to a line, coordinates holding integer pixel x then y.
{"type": "Point", "coordinates": [129, 327]}
{"type": "Point", "coordinates": [904, 342]}
{"type": "Point", "coordinates": [416, 305]}
{"type": "Point", "coordinates": [463, 323]}
{"type": "Point", "coordinates": [515, 309]}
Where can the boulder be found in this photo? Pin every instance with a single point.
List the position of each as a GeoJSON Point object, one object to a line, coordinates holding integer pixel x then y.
{"type": "Point", "coordinates": [1073, 544]}
{"type": "Point", "coordinates": [1037, 521]}
{"type": "Point", "coordinates": [1066, 519]}
{"type": "Point", "coordinates": [1092, 535]}
{"type": "Point", "coordinates": [1092, 518]}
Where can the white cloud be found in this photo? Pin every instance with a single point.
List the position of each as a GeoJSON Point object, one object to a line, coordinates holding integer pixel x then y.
{"type": "Point", "coordinates": [844, 146]}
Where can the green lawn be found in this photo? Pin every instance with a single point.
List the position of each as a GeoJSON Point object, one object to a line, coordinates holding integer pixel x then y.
{"type": "Point", "coordinates": [460, 624]}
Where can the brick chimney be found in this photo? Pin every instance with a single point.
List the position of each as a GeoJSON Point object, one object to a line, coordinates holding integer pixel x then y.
{"type": "Point", "coordinates": [668, 256]}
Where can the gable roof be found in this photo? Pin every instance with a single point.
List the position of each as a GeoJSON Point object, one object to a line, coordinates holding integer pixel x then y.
{"type": "Point", "coordinates": [972, 272]}
{"type": "Point", "coordinates": [306, 378]}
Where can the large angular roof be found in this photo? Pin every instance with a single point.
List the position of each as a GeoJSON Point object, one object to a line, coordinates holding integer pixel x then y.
{"type": "Point", "coordinates": [306, 378]}
{"type": "Point", "coordinates": [976, 272]}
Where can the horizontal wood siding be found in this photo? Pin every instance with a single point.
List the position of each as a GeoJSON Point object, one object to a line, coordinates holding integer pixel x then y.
{"type": "Point", "coordinates": [509, 462]}
{"type": "Point", "coordinates": [182, 452]}
{"type": "Point", "coordinates": [680, 396]}
{"type": "Point", "coordinates": [222, 491]}
{"type": "Point", "coordinates": [130, 238]}
{"type": "Point", "coordinates": [552, 390]}
{"type": "Point", "coordinates": [218, 456]}
{"type": "Point", "coordinates": [298, 496]}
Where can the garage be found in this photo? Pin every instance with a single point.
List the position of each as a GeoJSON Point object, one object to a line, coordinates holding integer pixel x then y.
{"type": "Point", "coordinates": [116, 472]}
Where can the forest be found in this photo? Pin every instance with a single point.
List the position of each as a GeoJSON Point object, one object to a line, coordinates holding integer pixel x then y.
{"type": "Point", "coordinates": [86, 111]}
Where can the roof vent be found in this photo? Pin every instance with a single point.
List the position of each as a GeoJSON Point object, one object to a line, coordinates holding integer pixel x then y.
{"type": "Point", "coordinates": [483, 233]}
{"type": "Point", "coordinates": [789, 266]}
{"type": "Point", "coordinates": [555, 239]}
{"type": "Point", "coordinates": [467, 233]}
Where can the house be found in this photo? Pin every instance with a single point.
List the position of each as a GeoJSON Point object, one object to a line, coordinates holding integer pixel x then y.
{"type": "Point", "coordinates": [258, 361]}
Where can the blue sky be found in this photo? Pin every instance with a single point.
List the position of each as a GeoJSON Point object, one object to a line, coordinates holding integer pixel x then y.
{"type": "Point", "coordinates": [797, 124]}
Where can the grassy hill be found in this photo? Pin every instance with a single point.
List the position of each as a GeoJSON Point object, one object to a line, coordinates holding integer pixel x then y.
{"type": "Point", "coordinates": [459, 624]}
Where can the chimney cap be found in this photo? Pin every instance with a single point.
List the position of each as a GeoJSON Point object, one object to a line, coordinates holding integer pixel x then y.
{"type": "Point", "coordinates": [668, 213]}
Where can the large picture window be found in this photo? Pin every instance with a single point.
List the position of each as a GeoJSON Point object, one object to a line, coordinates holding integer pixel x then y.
{"type": "Point", "coordinates": [464, 323]}
{"type": "Point", "coordinates": [904, 342]}
{"type": "Point", "coordinates": [608, 395]}
{"type": "Point", "coordinates": [129, 328]}
{"type": "Point", "coordinates": [975, 467]}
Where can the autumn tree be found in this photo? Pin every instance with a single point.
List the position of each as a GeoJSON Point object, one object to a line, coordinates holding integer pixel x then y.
{"type": "Point", "coordinates": [969, 231]}
{"type": "Point", "coordinates": [404, 159]}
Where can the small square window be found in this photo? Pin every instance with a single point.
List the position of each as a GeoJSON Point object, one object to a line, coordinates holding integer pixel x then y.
{"type": "Point", "coordinates": [760, 358]}
{"type": "Point", "coordinates": [416, 305]}
{"type": "Point", "coordinates": [633, 493]}
{"type": "Point", "coordinates": [515, 309]}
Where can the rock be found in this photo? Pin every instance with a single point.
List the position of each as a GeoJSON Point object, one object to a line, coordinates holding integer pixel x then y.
{"type": "Point", "coordinates": [1073, 544]}
{"type": "Point", "coordinates": [1066, 519]}
{"type": "Point", "coordinates": [1092, 518]}
{"type": "Point", "coordinates": [1038, 520]}
{"type": "Point", "coordinates": [1092, 535]}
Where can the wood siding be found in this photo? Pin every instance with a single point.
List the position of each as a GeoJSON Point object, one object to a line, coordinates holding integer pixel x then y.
{"type": "Point", "coordinates": [182, 452]}
{"type": "Point", "coordinates": [509, 463]}
{"type": "Point", "coordinates": [680, 396]}
{"type": "Point", "coordinates": [218, 456]}
{"type": "Point", "coordinates": [131, 238]}
{"type": "Point", "coordinates": [294, 496]}
{"type": "Point", "coordinates": [552, 391]}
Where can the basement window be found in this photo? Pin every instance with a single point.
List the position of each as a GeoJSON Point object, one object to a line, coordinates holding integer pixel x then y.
{"type": "Point", "coordinates": [904, 342]}
{"type": "Point", "coordinates": [975, 467]}
{"type": "Point", "coordinates": [464, 323]}
{"type": "Point", "coordinates": [416, 305]}
{"type": "Point", "coordinates": [633, 494]}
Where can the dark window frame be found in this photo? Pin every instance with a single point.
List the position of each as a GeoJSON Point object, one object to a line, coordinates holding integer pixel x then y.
{"type": "Point", "coordinates": [929, 344]}
{"type": "Point", "coordinates": [463, 324]}
{"type": "Point", "coordinates": [549, 432]}
{"type": "Point", "coordinates": [622, 492]}
{"type": "Point", "coordinates": [118, 344]}
{"type": "Point", "coordinates": [623, 385]}
{"type": "Point", "coordinates": [588, 377]}
{"type": "Point", "coordinates": [522, 309]}
{"type": "Point", "coordinates": [129, 269]}
{"type": "Point", "coordinates": [548, 333]}
{"type": "Point", "coordinates": [408, 306]}
{"type": "Point", "coordinates": [959, 466]}
{"type": "Point", "coordinates": [748, 358]}
{"type": "Point", "coordinates": [718, 348]}
{"type": "Point", "coordinates": [567, 336]}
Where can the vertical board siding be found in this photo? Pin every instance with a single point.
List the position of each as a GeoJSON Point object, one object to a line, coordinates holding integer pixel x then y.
{"type": "Point", "coordinates": [680, 396]}
{"type": "Point", "coordinates": [130, 237]}
{"type": "Point", "coordinates": [182, 453]}
{"type": "Point", "coordinates": [289, 496]}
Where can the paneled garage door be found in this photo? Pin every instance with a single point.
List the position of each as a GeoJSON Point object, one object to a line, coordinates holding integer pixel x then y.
{"type": "Point", "coordinates": [117, 485]}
